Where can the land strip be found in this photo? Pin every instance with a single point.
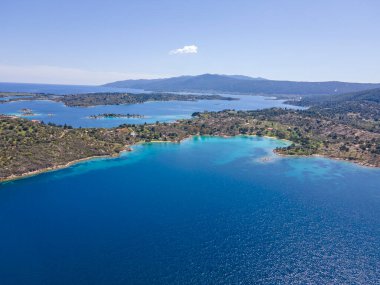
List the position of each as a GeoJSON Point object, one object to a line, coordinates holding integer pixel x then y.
{"type": "Point", "coordinates": [30, 147]}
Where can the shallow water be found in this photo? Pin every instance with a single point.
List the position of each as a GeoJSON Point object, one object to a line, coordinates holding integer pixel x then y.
{"type": "Point", "coordinates": [206, 211]}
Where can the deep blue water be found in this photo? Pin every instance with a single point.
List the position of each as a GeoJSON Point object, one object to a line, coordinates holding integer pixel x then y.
{"type": "Point", "coordinates": [206, 211]}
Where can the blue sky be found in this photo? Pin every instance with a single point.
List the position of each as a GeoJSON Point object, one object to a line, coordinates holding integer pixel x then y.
{"type": "Point", "coordinates": [93, 42]}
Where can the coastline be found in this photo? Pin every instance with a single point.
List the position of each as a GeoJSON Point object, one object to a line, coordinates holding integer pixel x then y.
{"type": "Point", "coordinates": [359, 163]}
{"type": "Point", "coordinates": [128, 148]}
{"type": "Point", "coordinates": [49, 169]}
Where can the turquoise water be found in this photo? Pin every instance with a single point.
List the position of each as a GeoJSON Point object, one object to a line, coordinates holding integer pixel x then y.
{"type": "Point", "coordinates": [206, 211]}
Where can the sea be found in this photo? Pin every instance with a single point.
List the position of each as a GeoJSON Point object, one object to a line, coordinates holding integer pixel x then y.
{"type": "Point", "coordinates": [208, 210]}
{"type": "Point", "coordinates": [58, 113]}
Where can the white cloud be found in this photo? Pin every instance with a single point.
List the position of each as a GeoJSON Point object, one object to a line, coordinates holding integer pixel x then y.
{"type": "Point", "coordinates": [62, 75]}
{"type": "Point", "coordinates": [185, 50]}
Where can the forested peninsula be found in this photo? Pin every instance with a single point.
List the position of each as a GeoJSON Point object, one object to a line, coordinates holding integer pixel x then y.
{"type": "Point", "coordinates": [345, 127]}
{"type": "Point", "coordinates": [106, 98]}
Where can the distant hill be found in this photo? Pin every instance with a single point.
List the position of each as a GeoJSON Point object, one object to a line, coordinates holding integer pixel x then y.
{"type": "Point", "coordinates": [360, 109]}
{"type": "Point", "coordinates": [244, 77]}
{"type": "Point", "coordinates": [369, 96]}
{"type": "Point", "coordinates": [241, 84]}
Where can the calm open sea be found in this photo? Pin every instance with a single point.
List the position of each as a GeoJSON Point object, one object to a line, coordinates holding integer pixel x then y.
{"type": "Point", "coordinates": [206, 211]}
{"type": "Point", "coordinates": [60, 89]}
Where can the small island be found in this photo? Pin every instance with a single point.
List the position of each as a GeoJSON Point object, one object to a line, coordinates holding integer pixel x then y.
{"type": "Point", "coordinates": [115, 116]}
{"type": "Point", "coordinates": [27, 112]}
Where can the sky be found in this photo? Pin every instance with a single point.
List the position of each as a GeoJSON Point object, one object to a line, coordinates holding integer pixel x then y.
{"type": "Point", "coordinates": [94, 42]}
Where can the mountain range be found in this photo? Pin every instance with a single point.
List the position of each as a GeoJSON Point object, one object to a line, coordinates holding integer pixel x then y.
{"type": "Point", "coordinates": [242, 84]}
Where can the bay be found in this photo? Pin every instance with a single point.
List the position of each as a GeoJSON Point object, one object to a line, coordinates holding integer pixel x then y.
{"type": "Point", "coordinates": [58, 113]}
{"type": "Point", "coordinates": [206, 211]}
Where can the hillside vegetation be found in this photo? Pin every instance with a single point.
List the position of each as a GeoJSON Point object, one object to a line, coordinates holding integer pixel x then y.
{"type": "Point", "coordinates": [94, 99]}
{"type": "Point", "coordinates": [343, 127]}
{"type": "Point", "coordinates": [359, 109]}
